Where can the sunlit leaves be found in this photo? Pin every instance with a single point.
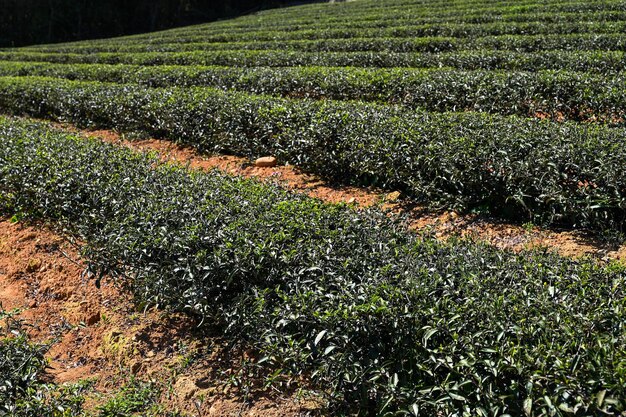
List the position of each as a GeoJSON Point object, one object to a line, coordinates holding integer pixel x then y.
{"type": "Point", "coordinates": [379, 319]}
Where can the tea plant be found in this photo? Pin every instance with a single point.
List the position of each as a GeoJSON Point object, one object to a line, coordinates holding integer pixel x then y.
{"type": "Point", "coordinates": [379, 319]}
{"type": "Point", "coordinates": [561, 174]}
{"type": "Point", "coordinates": [22, 392]}
{"type": "Point", "coordinates": [560, 94]}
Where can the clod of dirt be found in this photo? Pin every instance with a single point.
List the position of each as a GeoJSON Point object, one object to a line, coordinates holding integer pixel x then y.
{"type": "Point", "coordinates": [33, 265]}
{"type": "Point", "coordinates": [392, 197]}
{"type": "Point", "coordinates": [93, 319]}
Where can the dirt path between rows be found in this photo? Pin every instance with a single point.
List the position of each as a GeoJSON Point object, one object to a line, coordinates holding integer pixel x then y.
{"type": "Point", "coordinates": [498, 233]}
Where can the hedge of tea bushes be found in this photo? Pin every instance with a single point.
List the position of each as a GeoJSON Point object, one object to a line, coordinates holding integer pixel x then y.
{"type": "Point", "coordinates": [576, 42]}
{"type": "Point", "coordinates": [605, 62]}
{"type": "Point", "coordinates": [381, 320]}
{"type": "Point", "coordinates": [479, 12]}
{"type": "Point", "coordinates": [389, 24]}
{"type": "Point", "coordinates": [484, 20]}
{"type": "Point", "coordinates": [573, 95]}
{"type": "Point", "coordinates": [525, 169]}
{"type": "Point", "coordinates": [378, 43]}
{"type": "Point", "coordinates": [469, 24]}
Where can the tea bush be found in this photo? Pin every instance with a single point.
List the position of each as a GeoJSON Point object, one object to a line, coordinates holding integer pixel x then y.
{"type": "Point", "coordinates": [22, 363]}
{"type": "Point", "coordinates": [564, 174]}
{"type": "Point", "coordinates": [381, 320]}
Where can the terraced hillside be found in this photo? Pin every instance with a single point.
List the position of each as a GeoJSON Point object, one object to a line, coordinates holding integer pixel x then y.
{"type": "Point", "coordinates": [358, 91]}
{"type": "Point", "coordinates": [511, 109]}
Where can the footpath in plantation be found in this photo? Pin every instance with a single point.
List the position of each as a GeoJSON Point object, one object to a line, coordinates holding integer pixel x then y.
{"type": "Point", "coordinates": [443, 233]}
{"type": "Point", "coordinates": [443, 224]}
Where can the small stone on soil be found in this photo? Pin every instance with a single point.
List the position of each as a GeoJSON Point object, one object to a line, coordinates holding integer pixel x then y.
{"type": "Point", "coordinates": [33, 265]}
{"type": "Point", "coordinates": [266, 161]}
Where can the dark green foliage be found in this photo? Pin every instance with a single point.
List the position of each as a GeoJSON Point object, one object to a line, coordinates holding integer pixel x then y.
{"type": "Point", "coordinates": [363, 41]}
{"type": "Point", "coordinates": [22, 393]}
{"type": "Point", "coordinates": [590, 61]}
{"type": "Point", "coordinates": [380, 319]}
{"type": "Point", "coordinates": [134, 396]}
{"type": "Point", "coordinates": [564, 174]}
{"type": "Point", "coordinates": [572, 95]}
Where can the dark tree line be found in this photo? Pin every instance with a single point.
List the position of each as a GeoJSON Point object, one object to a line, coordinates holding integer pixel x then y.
{"type": "Point", "coordinates": [26, 22]}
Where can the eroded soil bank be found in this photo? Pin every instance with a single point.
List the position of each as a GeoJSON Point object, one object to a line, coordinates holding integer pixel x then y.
{"type": "Point", "coordinates": [100, 335]}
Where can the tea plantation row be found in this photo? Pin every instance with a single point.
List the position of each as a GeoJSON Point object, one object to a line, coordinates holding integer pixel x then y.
{"type": "Point", "coordinates": [350, 29]}
{"type": "Point", "coordinates": [513, 167]}
{"type": "Point", "coordinates": [374, 41]}
{"type": "Point", "coordinates": [588, 61]}
{"type": "Point", "coordinates": [566, 94]}
{"type": "Point", "coordinates": [382, 320]}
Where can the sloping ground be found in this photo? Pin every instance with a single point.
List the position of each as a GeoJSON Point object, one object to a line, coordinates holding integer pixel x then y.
{"type": "Point", "coordinates": [498, 233]}
{"type": "Point", "coordinates": [440, 100]}
{"type": "Point", "coordinates": [347, 301]}
{"type": "Point", "coordinates": [437, 110]}
{"type": "Point", "coordinates": [98, 334]}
